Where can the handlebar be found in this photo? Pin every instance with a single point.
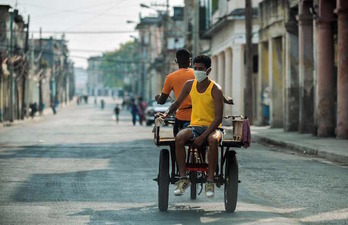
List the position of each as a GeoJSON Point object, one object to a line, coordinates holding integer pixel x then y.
{"type": "Point", "coordinates": [233, 117]}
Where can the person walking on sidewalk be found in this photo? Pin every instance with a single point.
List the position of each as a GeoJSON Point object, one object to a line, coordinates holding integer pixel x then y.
{"type": "Point", "coordinates": [207, 110]}
{"type": "Point", "coordinates": [141, 110]}
{"type": "Point", "coordinates": [117, 112]}
{"type": "Point", "coordinates": [102, 104]}
{"type": "Point", "coordinates": [134, 111]}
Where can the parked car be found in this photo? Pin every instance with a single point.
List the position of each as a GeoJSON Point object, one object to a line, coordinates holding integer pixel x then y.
{"type": "Point", "coordinates": [153, 108]}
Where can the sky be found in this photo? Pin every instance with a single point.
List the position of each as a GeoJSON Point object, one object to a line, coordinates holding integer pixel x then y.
{"type": "Point", "coordinates": [86, 15]}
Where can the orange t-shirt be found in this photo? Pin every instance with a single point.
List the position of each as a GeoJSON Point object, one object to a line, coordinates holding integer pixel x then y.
{"type": "Point", "coordinates": [175, 81]}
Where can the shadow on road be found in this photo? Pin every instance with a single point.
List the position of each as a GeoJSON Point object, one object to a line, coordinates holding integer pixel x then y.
{"type": "Point", "coordinates": [88, 172]}
{"type": "Point", "coordinates": [111, 183]}
{"type": "Point", "coordinates": [179, 214]}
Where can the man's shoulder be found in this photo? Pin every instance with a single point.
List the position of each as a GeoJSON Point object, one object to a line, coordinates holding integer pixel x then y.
{"type": "Point", "coordinates": [189, 83]}
{"type": "Point", "coordinates": [180, 72]}
{"type": "Point", "coordinates": [216, 87]}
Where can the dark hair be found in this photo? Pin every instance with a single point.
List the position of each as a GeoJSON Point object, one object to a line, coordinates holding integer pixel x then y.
{"type": "Point", "coordinates": [183, 57]}
{"type": "Point", "coordinates": [203, 59]}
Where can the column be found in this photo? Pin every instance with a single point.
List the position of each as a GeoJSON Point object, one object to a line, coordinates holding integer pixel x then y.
{"type": "Point", "coordinates": [228, 72]}
{"type": "Point", "coordinates": [228, 79]}
{"type": "Point", "coordinates": [259, 113]}
{"type": "Point", "coordinates": [326, 95]}
{"type": "Point", "coordinates": [276, 82]}
{"type": "Point", "coordinates": [221, 70]}
{"type": "Point", "coordinates": [342, 79]}
{"type": "Point", "coordinates": [291, 113]}
{"type": "Point", "coordinates": [238, 84]}
{"type": "Point", "coordinates": [214, 67]}
{"type": "Point", "coordinates": [265, 82]}
{"type": "Point", "coordinates": [306, 106]}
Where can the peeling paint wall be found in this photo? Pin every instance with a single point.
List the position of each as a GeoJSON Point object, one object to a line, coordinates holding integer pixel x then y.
{"type": "Point", "coordinates": [271, 34]}
{"type": "Point", "coordinates": [276, 75]}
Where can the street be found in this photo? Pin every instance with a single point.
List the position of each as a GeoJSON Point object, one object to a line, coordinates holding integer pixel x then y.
{"type": "Point", "coordinates": [80, 167]}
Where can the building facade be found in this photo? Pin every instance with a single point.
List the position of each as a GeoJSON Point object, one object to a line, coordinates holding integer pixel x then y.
{"type": "Point", "coordinates": [35, 73]}
{"type": "Point", "coordinates": [159, 39]}
{"type": "Point", "coordinates": [303, 53]}
{"type": "Point", "coordinates": [14, 64]}
{"type": "Point", "coordinates": [226, 32]}
{"type": "Point", "coordinates": [95, 80]}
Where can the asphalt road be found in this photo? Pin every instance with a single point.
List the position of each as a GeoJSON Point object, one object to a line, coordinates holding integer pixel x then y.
{"type": "Point", "coordinates": [80, 167]}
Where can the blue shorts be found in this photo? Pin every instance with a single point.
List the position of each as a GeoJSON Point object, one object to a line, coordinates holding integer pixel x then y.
{"type": "Point", "coordinates": [198, 130]}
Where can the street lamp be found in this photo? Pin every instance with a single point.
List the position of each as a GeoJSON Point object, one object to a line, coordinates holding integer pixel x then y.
{"type": "Point", "coordinates": [144, 6]}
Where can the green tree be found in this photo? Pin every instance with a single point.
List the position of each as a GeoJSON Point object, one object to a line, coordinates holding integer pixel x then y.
{"type": "Point", "coordinates": [118, 64]}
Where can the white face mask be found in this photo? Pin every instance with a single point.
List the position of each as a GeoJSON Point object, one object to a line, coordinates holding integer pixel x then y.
{"type": "Point", "coordinates": [200, 75]}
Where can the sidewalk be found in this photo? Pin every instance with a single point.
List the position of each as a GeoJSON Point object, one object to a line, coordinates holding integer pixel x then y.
{"type": "Point", "coordinates": [332, 149]}
{"type": "Point", "coordinates": [46, 112]}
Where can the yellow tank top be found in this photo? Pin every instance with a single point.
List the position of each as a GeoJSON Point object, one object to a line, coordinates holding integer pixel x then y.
{"type": "Point", "coordinates": [203, 110]}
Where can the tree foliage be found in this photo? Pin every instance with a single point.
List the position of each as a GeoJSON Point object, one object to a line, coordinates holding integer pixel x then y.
{"type": "Point", "coordinates": [118, 64]}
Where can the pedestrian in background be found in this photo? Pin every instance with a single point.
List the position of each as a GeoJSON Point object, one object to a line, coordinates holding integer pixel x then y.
{"type": "Point", "coordinates": [141, 110]}
{"type": "Point", "coordinates": [133, 110]}
{"type": "Point", "coordinates": [117, 112]}
{"type": "Point", "coordinates": [53, 106]}
{"type": "Point", "coordinates": [102, 104]}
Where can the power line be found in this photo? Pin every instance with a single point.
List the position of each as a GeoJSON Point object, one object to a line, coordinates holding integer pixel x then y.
{"type": "Point", "coordinates": [87, 32]}
{"type": "Point", "coordinates": [96, 16]}
{"type": "Point", "coordinates": [110, 60]}
{"type": "Point", "coordinates": [49, 53]}
{"type": "Point", "coordinates": [81, 32]}
{"type": "Point", "coordinates": [80, 13]}
{"type": "Point", "coordinates": [64, 10]}
{"type": "Point", "coordinates": [87, 50]}
{"type": "Point", "coordinates": [78, 10]}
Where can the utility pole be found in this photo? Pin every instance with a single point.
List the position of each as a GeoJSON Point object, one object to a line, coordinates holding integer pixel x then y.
{"type": "Point", "coordinates": [165, 37]}
{"type": "Point", "coordinates": [11, 116]}
{"type": "Point", "coordinates": [196, 28]}
{"type": "Point", "coordinates": [40, 80]}
{"type": "Point", "coordinates": [143, 68]}
{"type": "Point", "coordinates": [24, 89]}
{"type": "Point", "coordinates": [248, 90]}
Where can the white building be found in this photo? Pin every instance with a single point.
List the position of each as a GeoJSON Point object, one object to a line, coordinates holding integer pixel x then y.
{"type": "Point", "coordinates": [81, 78]}
{"type": "Point", "coordinates": [227, 47]}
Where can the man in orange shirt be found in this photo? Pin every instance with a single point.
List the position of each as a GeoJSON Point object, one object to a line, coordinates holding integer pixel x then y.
{"type": "Point", "coordinates": [174, 82]}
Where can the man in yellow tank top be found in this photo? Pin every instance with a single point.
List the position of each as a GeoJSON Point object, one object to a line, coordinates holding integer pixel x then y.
{"type": "Point", "coordinates": [207, 111]}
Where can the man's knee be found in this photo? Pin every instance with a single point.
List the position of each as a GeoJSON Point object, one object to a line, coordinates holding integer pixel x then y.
{"type": "Point", "coordinates": [182, 137]}
{"type": "Point", "coordinates": [180, 140]}
{"type": "Point", "coordinates": [213, 140]}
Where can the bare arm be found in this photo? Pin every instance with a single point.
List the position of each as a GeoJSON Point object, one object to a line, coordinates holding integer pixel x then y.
{"type": "Point", "coordinates": [183, 94]}
{"type": "Point", "coordinates": [228, 100]}
{"type": "Point", "coordinates": [161, 99]}
{"type": "Point", "coordinates": [219, 106]}
{"type": "Point", "coordinates": [167, 87]}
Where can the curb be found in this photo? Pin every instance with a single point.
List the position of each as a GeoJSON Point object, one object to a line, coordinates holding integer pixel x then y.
{"type": "Point", "coordinates": [303, 149]}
